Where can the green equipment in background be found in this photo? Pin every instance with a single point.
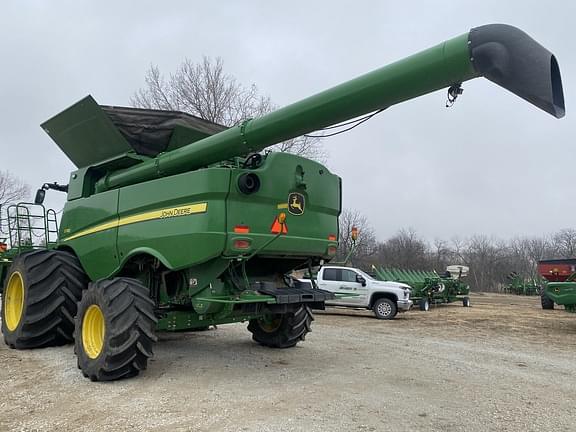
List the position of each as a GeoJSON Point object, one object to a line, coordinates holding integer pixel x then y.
{"type": "Point", "coordinates": [428, 287]}
{"type": "Point", "coordinates": [175, 223]}
{"type": "Point", "coordinates": [519, 285]}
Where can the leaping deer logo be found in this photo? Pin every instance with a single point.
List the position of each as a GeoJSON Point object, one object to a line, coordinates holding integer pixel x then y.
{"type": "Point", "coordinates": [296, 203]}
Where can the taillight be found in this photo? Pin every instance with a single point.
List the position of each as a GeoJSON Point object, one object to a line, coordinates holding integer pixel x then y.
{"type": "Point", "coordinates": [332, 237]}
{"type": "Point", "coordinates": [331, 250]}
{"type": "Point", "coordinates": [242, 244]}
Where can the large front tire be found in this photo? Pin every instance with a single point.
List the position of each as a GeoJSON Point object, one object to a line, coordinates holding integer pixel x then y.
{"type": "Point", "coordinates": [546, 302]}
{"type": "Point", "coordinates": [114, 329]}
{"type": "Point", "coordinates": [41, 292]}
{"type": "Point", "coordinates": [385, 309]}
{"type": "Point", "coordinates": [282, 330]}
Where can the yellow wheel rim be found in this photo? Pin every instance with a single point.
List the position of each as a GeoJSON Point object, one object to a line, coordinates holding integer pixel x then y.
{"type": "Point", "coordinates": [14, 301]}
{"type": "Point", "coordinates": [93, 330]}
{"type": "Point", "coordinates": [270, 325]}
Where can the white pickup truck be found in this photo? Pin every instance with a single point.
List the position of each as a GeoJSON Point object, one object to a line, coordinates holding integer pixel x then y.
{"type": "Point", "coordinates": [386, 299]}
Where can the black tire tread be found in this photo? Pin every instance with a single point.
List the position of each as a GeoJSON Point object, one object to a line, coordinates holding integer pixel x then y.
{"type": "Point", "coordinates": [392, 305]}
{"type": "Point", "coordinates": [130, 324]}
{"type": "Point", "coordinates": [293, 329]}
{"type": "Point", "coordinates": [546, 302]}
{"type": "Point", "coordinates": [54, 281]}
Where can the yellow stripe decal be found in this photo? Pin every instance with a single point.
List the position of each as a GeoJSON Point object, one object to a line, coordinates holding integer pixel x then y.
{"type": "Point", "coordinates": [165, 213]}
{"type": "Point", "coordinates": [282, 206]}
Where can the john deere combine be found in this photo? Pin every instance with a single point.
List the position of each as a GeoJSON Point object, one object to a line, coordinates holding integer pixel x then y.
{"type": "Point", "coordinates": [428, 287]}
{"type": "Point", "coordinates": [174, 223]}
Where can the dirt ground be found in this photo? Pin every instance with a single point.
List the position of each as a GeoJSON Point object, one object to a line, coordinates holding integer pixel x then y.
{"type": "Point", "coordinates": [502, 365]}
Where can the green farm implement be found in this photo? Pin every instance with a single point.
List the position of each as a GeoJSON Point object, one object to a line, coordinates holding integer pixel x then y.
{"type": "Point", "coordinates": [428, 287]}
{"type": "Point", "coordinates": [175, 223]}
{"type": "Point", "coordinates": [519, 285]}
{"type": "Point", "coordinates": [560, 285]}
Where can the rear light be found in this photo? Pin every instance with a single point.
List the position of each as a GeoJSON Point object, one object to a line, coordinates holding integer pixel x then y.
{"type": "Point", "coordinates": [331, 250]}
{"type": "Point", "coordinates": [242, 244]}
{"type": "Point", "coordinates": [332, 237]}
{"type": "Point", "coordinates": [241, 229]}
{"type": "Point", "coordinates": [3, 247]}
{"type": "Point", "coordinates": [354, 233]}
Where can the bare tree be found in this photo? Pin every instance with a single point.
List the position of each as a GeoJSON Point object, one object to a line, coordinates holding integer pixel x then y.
{"type": "Point", "coordinates": [406, 250]}
{"type": "Point", "coordinates": [366, 241]}
{"type": "Point", "coordinates": [12, 189]}
{"type": "Point", "coordinates": [564, 242]}
{"type": "Point", "coordinates": [203, 89]}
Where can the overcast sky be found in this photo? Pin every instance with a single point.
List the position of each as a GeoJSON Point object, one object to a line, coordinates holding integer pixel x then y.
{"type": "Point", "coordinates": [492, 164]}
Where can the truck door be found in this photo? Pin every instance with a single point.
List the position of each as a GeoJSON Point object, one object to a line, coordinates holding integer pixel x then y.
{"type": "Point", "coordinates": [349, 283]}
{"type": "Point", "coordinates": [340, 281]}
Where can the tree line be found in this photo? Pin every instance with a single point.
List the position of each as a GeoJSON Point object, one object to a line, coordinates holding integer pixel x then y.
{"type": "Point", "coordinates": [490, 259]}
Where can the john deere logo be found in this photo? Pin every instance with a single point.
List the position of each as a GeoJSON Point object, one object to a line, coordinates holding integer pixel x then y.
{"type": "Point", "coordinates": [296, 203]}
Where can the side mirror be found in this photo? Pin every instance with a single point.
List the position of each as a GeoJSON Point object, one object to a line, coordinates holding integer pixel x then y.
{"type": "Point", "coordinates": [40, 195]}
{"type": "Point", "coordinates": [360, 280]}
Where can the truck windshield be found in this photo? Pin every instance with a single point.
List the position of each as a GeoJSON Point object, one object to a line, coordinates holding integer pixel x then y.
{"type": "Point", "coordinates": [365, 275]}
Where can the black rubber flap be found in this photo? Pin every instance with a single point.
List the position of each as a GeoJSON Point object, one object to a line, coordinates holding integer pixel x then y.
{"type": "Point", "coordinates": [512, 59]}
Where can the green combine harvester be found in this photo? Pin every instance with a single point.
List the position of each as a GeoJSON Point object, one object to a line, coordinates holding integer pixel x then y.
{"type": "Point", "coordinates": [428, 287]}
{"type": "Point", "coordinates": [174, 223]}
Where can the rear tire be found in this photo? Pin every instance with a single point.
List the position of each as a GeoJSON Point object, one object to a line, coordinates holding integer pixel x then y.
{"type": "Point", "coordinates": [114, 329]}
{"type": "Point", "coordinates": [546, 302]}
{"type": "Point", "coordinates": [466, 302]}
{"type": "Point", "coordinates": [40, 297]}
{"type": "Point", "coordinates": [385, 309]}
{"type": "Point", "coordinates": [282, 330]}
{"type": "Point", "coordinates": [424, 304]}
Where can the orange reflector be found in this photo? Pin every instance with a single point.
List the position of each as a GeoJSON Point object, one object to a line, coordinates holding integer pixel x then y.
{"type": "Point", "coordinates": [282, 218]}
{"type": "Point", "coordinates": [354, 233]}
{"type": "Point", "coordinates": [332, 237]}
{"type": "Point", "coordinates": [278, 227]}
{"type": "Point", "coordinates": [241, 244]}
{"type": "Point", "coordinates": [241, 229]}
{"type": "Point", "coordinates": [331, 250]}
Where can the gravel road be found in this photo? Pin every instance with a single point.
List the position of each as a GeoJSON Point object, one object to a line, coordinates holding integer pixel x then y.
{"type": "Point", "coordinates": [502, 365]}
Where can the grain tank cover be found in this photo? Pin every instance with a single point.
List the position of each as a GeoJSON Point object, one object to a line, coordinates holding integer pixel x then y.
{"type": "Point", "coordinates": [89, 133]}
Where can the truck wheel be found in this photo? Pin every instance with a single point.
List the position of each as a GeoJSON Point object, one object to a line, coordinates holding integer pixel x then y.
{"type": "Point", "coordinates": [41, 292]}
{"type": "Point", "coordinates": [545, 301]}
{"type": "Point", "coordinates": [114, 329]}
{"type": "Point", "coordinates": [282, 330]}
{"type": "Point", "coordinates": [385, 309]}
{"type": "Point", "coordinates": [424, 304]}
{"type": "Point", "coordinates": [466, 302]}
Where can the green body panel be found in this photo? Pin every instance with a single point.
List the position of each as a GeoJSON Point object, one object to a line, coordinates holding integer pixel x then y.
{"type": "Point", "coordinates": [97, 252]}
{"type": "Point", "coordinates": [189, 240]}
{"type": "Point", "coordinates": [85, 133]}
{"type": "Point", "coordinates": [562, 293]}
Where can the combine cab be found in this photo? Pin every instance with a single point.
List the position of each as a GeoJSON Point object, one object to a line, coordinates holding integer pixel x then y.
{"type": "Point", "coordinates": [560, 288]}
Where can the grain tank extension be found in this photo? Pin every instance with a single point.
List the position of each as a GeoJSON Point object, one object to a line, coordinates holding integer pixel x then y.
{"type": "Point", "coordinates": [175, 223]}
